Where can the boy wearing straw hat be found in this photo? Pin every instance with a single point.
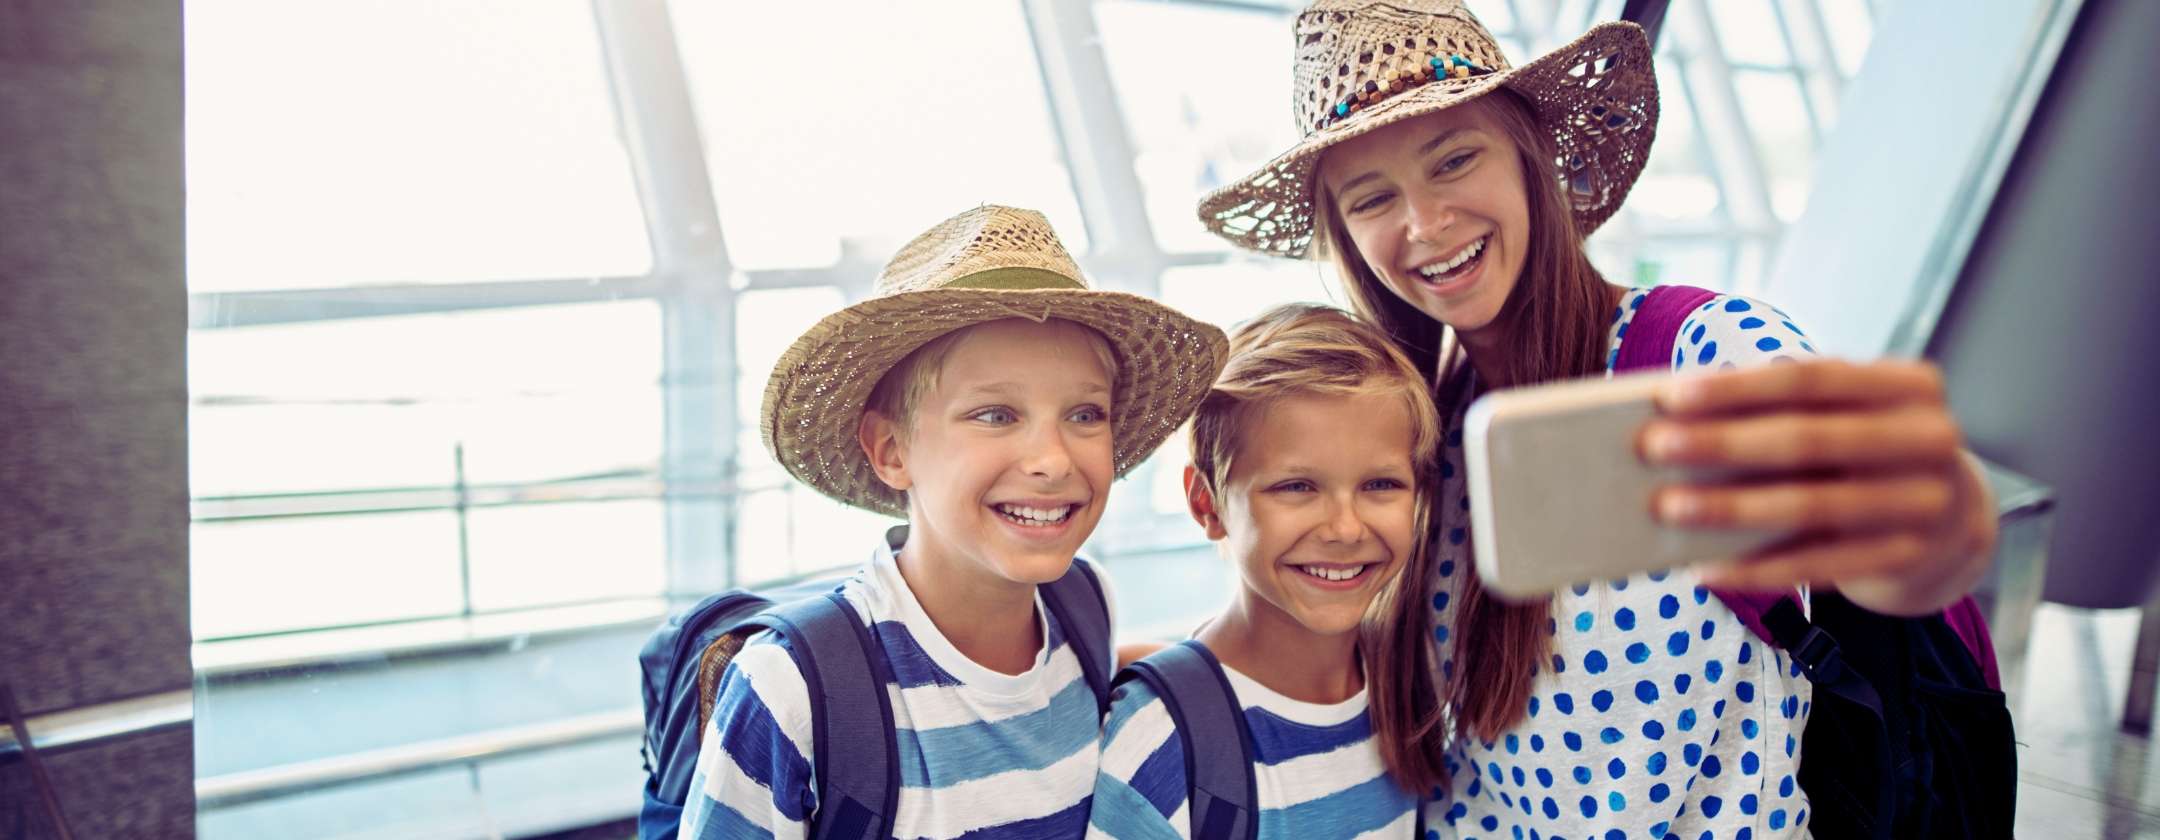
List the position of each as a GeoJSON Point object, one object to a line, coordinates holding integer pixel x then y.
{"type": "Point", "coordinates": [989, 396]}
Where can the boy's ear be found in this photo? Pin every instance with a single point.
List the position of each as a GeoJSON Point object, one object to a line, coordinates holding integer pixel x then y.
{"type": "Point", "coordinates": [1201, 502]}
{"type": "Point", "coordinates": [882, 443]}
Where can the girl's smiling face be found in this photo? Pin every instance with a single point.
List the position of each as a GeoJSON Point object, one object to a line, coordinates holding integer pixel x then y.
{"type": "Point", "coordinates": [1436, 207]}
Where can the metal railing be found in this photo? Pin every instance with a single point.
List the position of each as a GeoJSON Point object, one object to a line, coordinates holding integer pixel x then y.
{"type": "Point", "coordinates": [463, 751]}
{"type": "Point", "coordinates": [87, 725]}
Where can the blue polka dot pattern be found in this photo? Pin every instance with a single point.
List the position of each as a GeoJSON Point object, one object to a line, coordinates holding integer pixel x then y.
{"type": "Point", "coordinates": [1660, 716]}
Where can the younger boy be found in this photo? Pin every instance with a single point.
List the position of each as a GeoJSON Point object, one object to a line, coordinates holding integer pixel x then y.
{"type": "Point", "coordinates": [1309, 459]}
{"type": "Point", "coordinates": [989, 396]}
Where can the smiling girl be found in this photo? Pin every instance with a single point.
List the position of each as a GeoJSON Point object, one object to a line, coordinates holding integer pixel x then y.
{"type": "Point", "coordinates": [1452, 193]}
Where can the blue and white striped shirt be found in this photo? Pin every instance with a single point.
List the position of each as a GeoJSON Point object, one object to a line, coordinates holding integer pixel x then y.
{"type": "Point", "coordinates": [983, 755]}
{"type": "Point", "coordinates": [1319, 772]}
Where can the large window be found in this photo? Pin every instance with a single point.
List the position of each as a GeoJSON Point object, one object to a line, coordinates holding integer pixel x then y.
{"type": "Point", "coordinates": [483, 295]}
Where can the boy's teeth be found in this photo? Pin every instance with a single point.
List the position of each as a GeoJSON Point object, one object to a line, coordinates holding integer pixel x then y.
{"type": "Point", "coordinates": [1038, 516]}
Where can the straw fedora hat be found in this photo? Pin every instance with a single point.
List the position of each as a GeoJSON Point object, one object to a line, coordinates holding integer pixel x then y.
{"type": "Point", "coordinates": [1364, 64]}
{"type": "Point", "coordinates": [983, 265]}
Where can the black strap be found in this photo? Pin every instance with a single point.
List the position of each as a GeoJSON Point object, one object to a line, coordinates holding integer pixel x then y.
{"type": "Point", "coordinates": [858, 789]}
{"type": "Point", "coordinates": [1818, 654]}
{"type": "Point", "coordinates": [1223, 797]}
{"type": "Point", "coordinates": [1076, 602]}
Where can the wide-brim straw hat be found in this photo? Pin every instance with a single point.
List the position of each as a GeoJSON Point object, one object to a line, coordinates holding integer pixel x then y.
{"type": "Point", "coordinates": [1362, 65]}
{"type": "Point", "coordinates": [986, 264]}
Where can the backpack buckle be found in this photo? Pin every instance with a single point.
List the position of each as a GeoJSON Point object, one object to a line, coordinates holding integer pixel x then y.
{"type": "Point", "coordinates": [1818, 654]}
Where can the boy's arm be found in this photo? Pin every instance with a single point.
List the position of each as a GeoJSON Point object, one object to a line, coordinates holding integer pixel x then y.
{"type": "Point", "coordinates": [1140, 788]}
{"type": "Point", "coordinates": [753, 774]}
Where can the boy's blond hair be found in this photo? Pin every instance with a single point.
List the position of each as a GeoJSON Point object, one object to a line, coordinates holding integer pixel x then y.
{"type": "Point", "coordinates": [1305, 349]}
{"type": "Point", "coordinates": [903, 388]}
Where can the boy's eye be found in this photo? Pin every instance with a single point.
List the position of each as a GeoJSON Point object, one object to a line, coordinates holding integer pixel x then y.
{"type": "Point", "coordinates": [1295, 485]}
{"type": "Point", "coordinates": [995, 415]}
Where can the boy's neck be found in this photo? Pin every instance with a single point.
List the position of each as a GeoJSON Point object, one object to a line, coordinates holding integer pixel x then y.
{"type": "Point", "coordinates": [1260, 641]}
{"type": "Point", "coordinates": [990, 620]}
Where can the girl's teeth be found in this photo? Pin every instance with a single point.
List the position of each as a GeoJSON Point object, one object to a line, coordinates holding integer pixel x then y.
{"type": "Point", "coordinates": [1467, 254]}
{"type": "Point", "coordinates": [1335, 574]}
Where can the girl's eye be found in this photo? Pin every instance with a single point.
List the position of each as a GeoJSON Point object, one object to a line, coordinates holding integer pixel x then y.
{"type": "Point", "coordinates": [997, 416]}
{"type": "Point", "coordinates": [1455, 163]}
{"type": "Point", "coordinates": [1090, 414]}
{"type": "Point", "coordinates": [1384, 484]}
{"type": "Point", "coordinates": [1370, 202]}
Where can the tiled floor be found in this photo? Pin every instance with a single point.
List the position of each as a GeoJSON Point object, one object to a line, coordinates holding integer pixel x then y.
{"type": "Point", "coordinates": [2079, 775]}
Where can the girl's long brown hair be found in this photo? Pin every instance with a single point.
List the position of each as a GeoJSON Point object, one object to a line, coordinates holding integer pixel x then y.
{"type": "Point", "coordinates": [1554, 320]}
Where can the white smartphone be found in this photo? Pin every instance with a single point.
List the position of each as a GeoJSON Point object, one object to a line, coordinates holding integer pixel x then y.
{"type": "Point", "coordinates": [1559, 495]}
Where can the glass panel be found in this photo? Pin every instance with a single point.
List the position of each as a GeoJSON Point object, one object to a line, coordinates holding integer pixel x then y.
{"type": "Point", "coordinates": [272, 575]}
{"type": "Point", "coordinates": [1851, 29]}
{"type": "Point", "coordinates": [1677, 184]}
{"type": "Point", "coordinates": [1704, 262]}
{"type": "Point", "coordinates": [1191, 131]}
{"type": "Point", "coordinates": [332, 143]}
{"type": "Point", "coordinates": [531, 393]}
{"type": "Point", "coordinates": [307, 418]}
{"type": "Point", "coordinates": [794, 530]}
{"type": "Point", "coordinates": [536, 554]}
{"type": "Point", "coordinates": [825, 138]}
{"type": "Point", "coordinates": [1749, 32]}
{"type": "Point", "coordinates": [1497, 15]}
{"type": "Point", "coordinates": [1777, 117]}
{"type": "Point", "coordinates": [1516, 49]}
{"type": "Point", "coordinates": [1231, 292]}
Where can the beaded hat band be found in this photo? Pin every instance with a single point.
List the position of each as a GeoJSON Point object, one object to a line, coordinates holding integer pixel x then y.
{"type": "Point", "coordinates": [986, 264]}
{"type": "Point", "coordinates": [1364, 64]}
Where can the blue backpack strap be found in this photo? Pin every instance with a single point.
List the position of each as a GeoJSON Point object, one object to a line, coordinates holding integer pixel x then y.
{"type": "Point", "coordinates": [1222, 795]}
{"type": "Point", "coordinates": [858, 788]}
{"type": "Point", "coordinates": [1076, 601]}
{"type": "Point", "coordinates": [669, 661]}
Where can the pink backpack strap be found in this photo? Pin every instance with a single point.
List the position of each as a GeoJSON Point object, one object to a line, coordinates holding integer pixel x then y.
{"type": "Point", "coordinates": [1965, 619]}
{"type": "Point", "coordinates": [1750, 607]}
{"type": "Point", "coordinates": [1648, 345]}
{"type": "Point", "coordinates": [1650, 337]}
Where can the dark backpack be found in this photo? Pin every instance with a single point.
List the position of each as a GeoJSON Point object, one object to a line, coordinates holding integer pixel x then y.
{"type": "Point", "coordinates": [1222, 794]}
{"type": "Point", "coordinates": [1909, 735]}
{"type": "Point", "coordinates": [682, 662]}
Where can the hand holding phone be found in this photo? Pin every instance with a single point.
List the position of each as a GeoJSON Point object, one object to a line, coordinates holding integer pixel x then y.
{"type": "Point", "coordinates": [1559, 494]}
